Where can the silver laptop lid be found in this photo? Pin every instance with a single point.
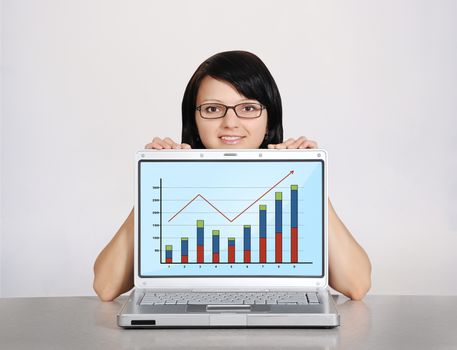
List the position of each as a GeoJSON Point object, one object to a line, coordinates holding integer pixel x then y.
{"type": "Point", "coordinates": [231, 219]}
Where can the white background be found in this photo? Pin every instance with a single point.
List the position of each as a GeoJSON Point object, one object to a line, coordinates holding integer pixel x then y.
{"type": "Point", "coordinates": [85, 84]}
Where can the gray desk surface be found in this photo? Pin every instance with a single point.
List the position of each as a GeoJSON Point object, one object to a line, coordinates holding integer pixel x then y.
{"type": "Point", "coordinates": [378, 322]}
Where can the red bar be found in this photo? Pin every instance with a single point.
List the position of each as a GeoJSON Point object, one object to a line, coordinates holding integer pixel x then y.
{"type": "Point", "coordinates": [184, 259]}
{"type": "Point", "coordinates": [247, 256]}
{"type": "Point", "coordinates": [278, 247]}
{"type": "Point", "coordinates": [231, 254]}
{"type": "Point", "coordinates": [200, 254]}
{"type": "Point", "coordinates": [168, 260]}
{"type": "Point", "coordinates": [215, 257]}
{"type": "Point", "coordinates": [263, 250]}
{"type": "Point", "coordinates": [294, 244]}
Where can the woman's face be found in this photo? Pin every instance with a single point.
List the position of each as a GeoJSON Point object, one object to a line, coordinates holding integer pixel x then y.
{"type": "Point", "coordinates": [229, 131]}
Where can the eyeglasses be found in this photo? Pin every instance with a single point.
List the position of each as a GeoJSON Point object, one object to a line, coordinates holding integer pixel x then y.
{"type": "Point", "coordinates": [242, 110]}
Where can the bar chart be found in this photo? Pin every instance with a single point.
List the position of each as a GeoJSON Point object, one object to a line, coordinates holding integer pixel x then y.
{"type": "Point", "coordinates": [247, 237]}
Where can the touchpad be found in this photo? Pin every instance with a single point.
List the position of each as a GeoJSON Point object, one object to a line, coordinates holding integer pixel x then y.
{"type": "Point", "coordinates": [228, 308]}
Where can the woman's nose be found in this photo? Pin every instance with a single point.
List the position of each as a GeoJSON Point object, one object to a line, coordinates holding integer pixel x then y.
{"type": "Point", "coordinates": [230, 119]}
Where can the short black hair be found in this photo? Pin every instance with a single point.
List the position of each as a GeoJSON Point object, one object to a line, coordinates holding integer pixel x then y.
{"type": "Point", "coordinates": [250, 77]}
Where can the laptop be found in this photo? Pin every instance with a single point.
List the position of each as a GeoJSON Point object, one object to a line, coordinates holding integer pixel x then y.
{"type": "Point", "coordinates": [230, 238]}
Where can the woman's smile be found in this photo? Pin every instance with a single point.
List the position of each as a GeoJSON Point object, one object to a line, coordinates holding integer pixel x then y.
{"type": "Point", "coordinates": [231, 139]}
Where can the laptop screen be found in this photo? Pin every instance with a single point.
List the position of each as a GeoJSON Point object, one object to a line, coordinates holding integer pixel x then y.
{"type": "Point", "coordinates": [231, 218]}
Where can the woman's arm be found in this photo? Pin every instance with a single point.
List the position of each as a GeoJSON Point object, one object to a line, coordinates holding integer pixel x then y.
{"type": "Point", "coordinates": [113, 269]}
{"type": "Point", "coordinates": [349, 265]}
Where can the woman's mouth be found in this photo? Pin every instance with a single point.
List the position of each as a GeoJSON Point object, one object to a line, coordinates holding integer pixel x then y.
{"type": "Point", "coordinates": [231, 140]}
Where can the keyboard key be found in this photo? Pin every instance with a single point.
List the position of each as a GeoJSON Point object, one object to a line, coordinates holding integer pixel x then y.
{"type": "Point", "coordinates": [312, 298]}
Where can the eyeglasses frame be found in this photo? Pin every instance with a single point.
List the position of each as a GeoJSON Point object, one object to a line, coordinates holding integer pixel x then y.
{"type": "Point", "coordinates": [262, 107]}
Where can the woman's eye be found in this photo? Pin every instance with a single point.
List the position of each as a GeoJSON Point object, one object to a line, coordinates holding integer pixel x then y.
{"type": "Point", "coordinates": [212, 109]}
{"type": "Point", "coordinates": [249, 108]}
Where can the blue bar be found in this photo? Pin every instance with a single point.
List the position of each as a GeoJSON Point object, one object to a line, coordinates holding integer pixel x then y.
{"type": "Point", "coordinates": [184, 247]}
{"type": "Point", "coordinates": [278, 212]}
{"type": "Point", "coordinates": [247, 237]}
{"type": "Point", "coordinates": [200, 231]}
{"type": "Point", "coordinates": [216, 244]}
{"type": "Point", "coordinates": [263, 222]}
{"type": "Point", "coordinates": [294, 206]}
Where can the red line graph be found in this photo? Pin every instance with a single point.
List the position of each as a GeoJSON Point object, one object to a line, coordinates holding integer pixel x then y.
{"type": "Point", "coordinates": [220, 212]}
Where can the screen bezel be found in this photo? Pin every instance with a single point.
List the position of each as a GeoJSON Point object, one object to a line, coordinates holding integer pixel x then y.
{"type": "Point", "coordinates": [230, 282]}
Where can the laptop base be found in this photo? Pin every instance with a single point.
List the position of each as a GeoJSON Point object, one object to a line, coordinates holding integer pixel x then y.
{"type": "Point", "coordinates": [134, 315]}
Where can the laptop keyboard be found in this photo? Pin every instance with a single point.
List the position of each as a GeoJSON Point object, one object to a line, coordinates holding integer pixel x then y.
{"type": "Point", "coordinates": [230, 298]}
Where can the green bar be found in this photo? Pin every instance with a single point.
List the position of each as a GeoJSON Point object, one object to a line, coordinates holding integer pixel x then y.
{"type": "Point", "coordinates": [294, 187]}
{"type": "Point", "coordinates": [262, 207]}
{"type": "Point", "coordinates": [247, 226]}
{"type": "Point", "coordinates": [278, 196]}
{"type": "Point", "coordinates": [168, 247]}
{"type": "Point", "coordinates": [184, 238]}
{"type": "Point", "coordinates": [200, 223]}
{"type": "Point", "coordinates": [216, 232]}
{"type": "Point", "coordinates": [231, 238]}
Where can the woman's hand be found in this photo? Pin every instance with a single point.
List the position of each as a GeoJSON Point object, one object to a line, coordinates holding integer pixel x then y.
{"type": "Point", "coordinates": [166, 143]}
{"type": "Point", "coordinates": [300, 143]}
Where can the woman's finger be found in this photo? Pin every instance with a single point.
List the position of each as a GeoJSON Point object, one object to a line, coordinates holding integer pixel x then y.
{"type": "Point", "coordinates": [296, 143]}
{"type": "Point", "coordinates": [153, 145]}
{"type": "Point", "coordinates": [164, 144]}
{"type": "Point", "coordinates": [158, 143]}
{"type": "Point", "coordinates": [289, 141]}
{"type": "Point", "coordinates": [161, 142]}
{"type": "Point", "coordinates": [308, 144]}
{"type": "Point", "coordinates": [284, 144]}
{"type": "Point", "coordinates": [171, 143]}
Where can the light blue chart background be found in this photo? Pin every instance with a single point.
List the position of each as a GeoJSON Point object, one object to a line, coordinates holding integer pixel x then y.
{"type": "Point", "coordinates": [231, 186]}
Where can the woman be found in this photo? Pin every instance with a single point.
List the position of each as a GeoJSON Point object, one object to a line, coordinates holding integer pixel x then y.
{"type": "Point", "coordinates": [232, 101]}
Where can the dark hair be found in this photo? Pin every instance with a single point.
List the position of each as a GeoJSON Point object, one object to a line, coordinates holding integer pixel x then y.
{"type": "Point", "coordinates": [250, 77]}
